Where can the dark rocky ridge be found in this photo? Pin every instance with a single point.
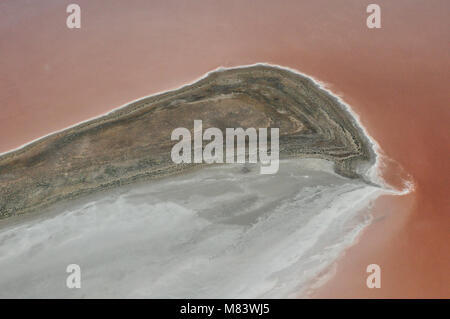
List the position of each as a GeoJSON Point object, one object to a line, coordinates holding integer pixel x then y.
{"type": "Point", "coordinates": [133, 143]}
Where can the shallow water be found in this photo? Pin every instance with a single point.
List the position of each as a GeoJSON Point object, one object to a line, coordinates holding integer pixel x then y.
{"type": "Point", "coordinates": [218, 232]}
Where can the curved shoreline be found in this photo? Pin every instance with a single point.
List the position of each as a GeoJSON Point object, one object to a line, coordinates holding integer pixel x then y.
{"type": "Point", "coordinates": [373, 173]}
{"type": "Point", "coordinates": [247, 96]}
{"type": "Point", "coordinates": [319, 84]}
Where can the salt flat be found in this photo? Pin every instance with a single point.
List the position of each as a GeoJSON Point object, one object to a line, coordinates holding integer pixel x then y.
{"type": "Point", "coordinates": [222, 231]}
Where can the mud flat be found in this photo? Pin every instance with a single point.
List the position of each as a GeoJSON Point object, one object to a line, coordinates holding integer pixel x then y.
{"type": "Point", "coordinates": [133, 142]}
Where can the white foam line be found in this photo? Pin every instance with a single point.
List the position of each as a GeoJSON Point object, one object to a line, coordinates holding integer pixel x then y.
{"type": "Point", "coordinates": [322, 85]}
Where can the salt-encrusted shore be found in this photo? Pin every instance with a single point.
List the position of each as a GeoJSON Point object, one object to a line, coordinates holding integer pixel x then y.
{"type": "Point", "coordinates": [133, 142]}
{"type": "Point", "coordinates": [235, 233]}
